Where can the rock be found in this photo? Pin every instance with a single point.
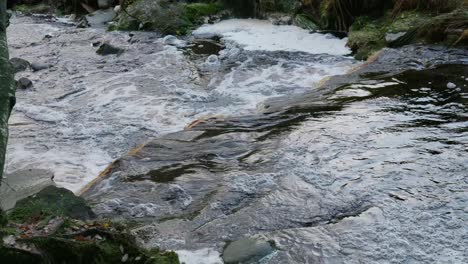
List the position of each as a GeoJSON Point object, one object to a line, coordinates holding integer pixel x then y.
{"type": "Point", "coordinates": [247, 250]}
{"type": "Point", "coordinates": [212, 59]}
{"type": "Point", "coordinates": [451, 85]}
{"type": "Point", "coordinates": [24, 83]}
{"type": "Point", "coordinates": [305, 22]}
{"type": "Point", "coordinates": [19, 65]}
{"type": "Point", "coordinates": [38, 66]}
{"type": "Point", "coordinates": [101, 17]}
{"type": "Point", "coordinates": [82, 24]}
{"type": "Point", "coordinates": [108, 49]}
{"type": "Point", "coordinates": [390, 37]}
{"type": "Point", "coordinates": [174, 41]}
{"type": "Point", "coordinates": [170, 40]}
{"type": "Point", "coordinates": [117, 9]}
{"type": "Point", "coordinates": [280, 19]}
{"type": "Point", "coordinates": [104, 3]}
{"type": "Point", "coordinates": [51, 201]}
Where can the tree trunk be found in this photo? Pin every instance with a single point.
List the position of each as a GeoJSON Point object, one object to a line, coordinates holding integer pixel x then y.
{"type": "Point", "coordinates": [7, 88]}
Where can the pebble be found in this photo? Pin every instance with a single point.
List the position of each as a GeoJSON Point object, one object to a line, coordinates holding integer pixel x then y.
{"type": "Point", "coordinates": [451, 85]}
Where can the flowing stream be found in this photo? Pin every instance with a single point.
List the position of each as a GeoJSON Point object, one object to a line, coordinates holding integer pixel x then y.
{"type": "Point", "coordinates": [87, 110]}
{"type": "Point", "coordinates": [369, 168]}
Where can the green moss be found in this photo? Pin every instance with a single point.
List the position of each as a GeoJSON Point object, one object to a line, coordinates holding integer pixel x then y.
{"type": "Point", "coordinates": [164, 16]}
{"type": "Point", "coordinates": [406, 21]}
{"type": "Point", "coordinates": [196, 11]}
{"type": "Point", "coordinates": [33, 9]}
{"type": "Point", "coordinates": [306, 22]}
{"type": "Point", "coordinates": [51, 201]}
{"type": "Point", "coordinates": [111, 249]}
{"type": "Point", "coordinates": [365, 38]}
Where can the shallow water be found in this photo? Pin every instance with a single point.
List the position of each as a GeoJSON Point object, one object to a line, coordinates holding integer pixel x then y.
{"type": "Point", "coordinates": [87, 110]}
{"type": "Point", "coordinates": [368, 168]}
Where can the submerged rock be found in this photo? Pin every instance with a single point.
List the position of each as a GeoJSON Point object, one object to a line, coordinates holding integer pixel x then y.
{"type": "Point", "coordinates": [19, 65]}
{"type": "Point", "coordinates": [24, 83]}
{"type": "Point", "coordinates": [39, 66]}
{"type": "Point", "coordinates": [108, 49]}
{"type": "Point", "coordinates": [247, 250]}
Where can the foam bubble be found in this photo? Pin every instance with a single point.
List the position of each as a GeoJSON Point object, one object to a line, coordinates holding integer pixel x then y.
{"type": "Point", "coordinates": [254, 34]}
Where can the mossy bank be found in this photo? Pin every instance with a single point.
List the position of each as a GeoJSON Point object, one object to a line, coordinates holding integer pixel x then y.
{"type": "Point", "coordinates": [55, 226]}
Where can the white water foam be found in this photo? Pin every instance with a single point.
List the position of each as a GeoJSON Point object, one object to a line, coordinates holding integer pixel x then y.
{"type": "Point", "coordinates": [253, 34]}
{"type": "Point", "coordinates": [201, 256]}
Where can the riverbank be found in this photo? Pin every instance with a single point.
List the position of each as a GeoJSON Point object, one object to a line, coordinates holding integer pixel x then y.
{"type": "Point", "coordinates": [371, 26]}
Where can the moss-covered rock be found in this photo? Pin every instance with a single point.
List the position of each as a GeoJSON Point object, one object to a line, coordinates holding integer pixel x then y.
{"type": "Point", "coordinates": [51, 201]}
{"type": "Point", "coordinates": [112, 248]}
{"type": "Point", "coordinates": [365, 37]}
{"type": "Point", "coordinates": [306, 22]}
{"type": "Point", "coordinates": [448, 29]}
{"type": "Point", "coordinates": [406, 21]}
{"type": "Point", "coordinates": [97, 245]}
{"type": "Point", "coordinates": [45, 229]}
{"type": "Point", "coordinates": [164, 16]}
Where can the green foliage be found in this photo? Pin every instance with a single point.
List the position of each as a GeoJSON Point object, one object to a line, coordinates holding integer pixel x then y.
{"type": "Point", "coordinates": [284, 6]}
{"type": "Point", "coordinates": [340, 14]}
{"type": "Point", "coordinates": [34, 9]}
{"type": "Point", "coordinates": [196, 11]}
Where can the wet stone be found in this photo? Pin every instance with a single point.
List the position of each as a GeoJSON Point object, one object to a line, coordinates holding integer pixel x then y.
{"type": "Point", "coordinates": [247, 250]}
{"type": "Point", "coordinates": [19, 65]}
{"type": "Point", "coordinates": [108, 49]}
{"type": "Point", "coordinates": [39, 66]}
{"type": "Point", "coordinates": [24, 83]}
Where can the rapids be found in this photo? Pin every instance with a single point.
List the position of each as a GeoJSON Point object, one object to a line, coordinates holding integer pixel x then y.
{"type": "Point", "coordinates": [367, 167]}
{"type": "Point", "coordinates": [87, 110]}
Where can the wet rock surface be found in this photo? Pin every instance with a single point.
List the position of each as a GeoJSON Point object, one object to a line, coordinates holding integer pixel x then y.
{"type": "Point", "coordinates": [370, 167]}
{"type": "Point", "coordinates": [247, 250]}
{"type": "Point", "coordinates": [39, 66]}
{"type": "Point", "coordinates": [107, 49]}
{"type": "Point", "coordinates": [24, 83]}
